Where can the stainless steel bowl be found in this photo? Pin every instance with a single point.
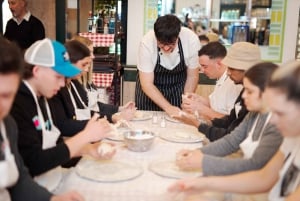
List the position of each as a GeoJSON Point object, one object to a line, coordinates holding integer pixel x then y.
{"type": "Point", "coordinates": [138, 140]}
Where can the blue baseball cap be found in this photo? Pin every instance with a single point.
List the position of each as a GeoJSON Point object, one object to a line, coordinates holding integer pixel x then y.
{"type": "Point", "coordinates": [53, 54]}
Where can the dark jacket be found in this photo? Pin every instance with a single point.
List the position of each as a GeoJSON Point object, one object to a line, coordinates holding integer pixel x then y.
{"type": "Point", "coordinates": [37, 160]}
{"type": "Point", "coordinates": [26, 33]}
{"type": "Point", "coordinates": [222, 126]}
{"type": "Point", "coordinates": [63, 111]}
{"type": "Point", "coordinates": [25, 189]}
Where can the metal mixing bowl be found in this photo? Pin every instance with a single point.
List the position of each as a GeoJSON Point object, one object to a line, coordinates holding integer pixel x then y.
{"type": "Point", "coordinates": [138, 140]}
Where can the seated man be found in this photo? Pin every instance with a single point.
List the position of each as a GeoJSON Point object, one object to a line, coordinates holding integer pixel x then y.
{"type": "Point", "coordinates": [15, 182]}
{"type": "Point", "coordinates": [221, 100]}
{"type": "Point", "coordinates": [240, 57]}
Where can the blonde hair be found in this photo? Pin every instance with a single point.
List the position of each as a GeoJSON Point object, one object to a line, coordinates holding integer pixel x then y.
{"type": "Point", "coordinates": [88, 77]}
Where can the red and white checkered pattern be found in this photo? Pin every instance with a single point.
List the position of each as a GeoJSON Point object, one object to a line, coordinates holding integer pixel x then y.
{"type": "Point", "coordinates": [103, 79]}
{"type": "Point", "coordinates": [99, 40]}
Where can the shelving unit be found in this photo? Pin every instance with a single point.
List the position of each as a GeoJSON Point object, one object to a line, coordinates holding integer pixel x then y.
{"type": "Point", "coordinates": [107, 68]}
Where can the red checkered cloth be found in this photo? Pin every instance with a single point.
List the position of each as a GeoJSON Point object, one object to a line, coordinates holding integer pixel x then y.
{"type": "Point", "coordinates": [103, 79]}
{"type": "Point", "coordinates": [99, 40]}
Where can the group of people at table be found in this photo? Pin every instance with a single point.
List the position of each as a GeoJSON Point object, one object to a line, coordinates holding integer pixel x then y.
{"type": "Point", "coordinates": [50, 117]}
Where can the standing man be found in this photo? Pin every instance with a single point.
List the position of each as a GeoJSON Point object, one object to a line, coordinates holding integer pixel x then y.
{"type": "Point", "coordinates": [23, 28]}
{"type": "Point", "coordinates": [222, 99]}
{"type": "Point", "coordinates": [167, 66]}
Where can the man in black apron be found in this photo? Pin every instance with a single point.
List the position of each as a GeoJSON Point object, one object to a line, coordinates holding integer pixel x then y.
{"type": "Point", "coordinates": [167, 66]}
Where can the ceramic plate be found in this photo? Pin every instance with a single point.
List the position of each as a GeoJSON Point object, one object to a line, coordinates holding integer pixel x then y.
{"type": "Point", "coordinates": [118, 134]}
{"type": "Point", "coordinates": [142, 115]}
{"type": "Point", "coordinates": [172, 119]}
{"type": "Point", "coordinates": [108, 171]}
{"type": "Point", "coordinates": [170, 169]}
{"type": "Point", "coordinates": [182, 136]}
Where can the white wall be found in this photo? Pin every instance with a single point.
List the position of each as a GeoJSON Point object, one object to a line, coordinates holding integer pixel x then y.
{"type": "Point", "coordinates": [6, 14]}
{"type": "Point", "coordinates": [290, 34]}
{"type": "Point", "coordinates": [135, 29]}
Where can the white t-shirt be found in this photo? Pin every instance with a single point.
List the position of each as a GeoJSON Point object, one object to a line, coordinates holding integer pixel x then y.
{"type": "Point", "coordinates": [290, 146]}
{"type": "Point", "coordinates": [224, 95]}
{"type": "Point", "coordinates": [147, 56]}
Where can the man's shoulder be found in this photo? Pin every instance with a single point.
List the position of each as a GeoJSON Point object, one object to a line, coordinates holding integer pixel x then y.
{"type": "Point", "coordinates": [35, 19]}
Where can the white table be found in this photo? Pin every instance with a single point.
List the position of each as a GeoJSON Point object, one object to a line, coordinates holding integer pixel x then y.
{"type": "Point", "coordinates": [148, 186]}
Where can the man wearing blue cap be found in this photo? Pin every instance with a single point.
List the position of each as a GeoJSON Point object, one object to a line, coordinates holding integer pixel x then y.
{"type": "Point", "coordinates": [15, 182]}
{"type": "Point", "coordinates": [40, 142]}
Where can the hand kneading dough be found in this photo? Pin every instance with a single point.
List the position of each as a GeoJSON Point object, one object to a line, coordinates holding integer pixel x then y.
{"type": "Point", "coordinates": [105, 148]}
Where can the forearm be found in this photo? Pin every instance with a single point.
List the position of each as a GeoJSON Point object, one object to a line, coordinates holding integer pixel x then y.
{"type": "Point", "coordinates": [248, 182]}
{"type": "Point", "coordinates": [191, 81]}
{"type": "Point", "coordinates": [211, 132]}
{"type": "Point", "coordinates": [214, 165]}
{"type": "Point", "coordinates": [76, 143]}
{"type": "Point", "coordinates": [210, 113]}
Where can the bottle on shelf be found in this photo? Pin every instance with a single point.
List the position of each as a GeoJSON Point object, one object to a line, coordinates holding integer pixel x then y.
{"type": "Point", "coordinates": [90, 22]}
{"type": "Point", "coordinates": [100, 22]}
{"type": "Point", "coordinates": [105, 29]}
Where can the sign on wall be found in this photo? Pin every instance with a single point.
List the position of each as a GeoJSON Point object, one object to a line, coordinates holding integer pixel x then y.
{"type": "Point", "coordinates": [151, 13]}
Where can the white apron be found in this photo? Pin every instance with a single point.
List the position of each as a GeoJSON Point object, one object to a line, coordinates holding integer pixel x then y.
{"type": "Point", "coordinates": [51, 178]}
{"type": "Point", "coordinates": [237, 108]}
{"type": "Point", "coordinates": [292, 160]}
{"type": "Point", "coordinates": [81, 114]}
{"type": "Point", "coordinates": [8, 168]}
{"type": "Point", "coordinates": [248, 146]}
{"type": "Point", "coordinates": [93, 96]}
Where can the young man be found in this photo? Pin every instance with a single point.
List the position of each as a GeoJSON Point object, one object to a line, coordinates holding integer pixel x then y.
{"type": "Point", "coordinates": [221, 100]}
{"type": "Point", "coordinates": [40, 142]}
{"type": "Point", "coordinates": [240, 57]}
{"type": "Point", "coordinates": [15, 181]}
{"type": "Point", "coordinates": [167, 66]}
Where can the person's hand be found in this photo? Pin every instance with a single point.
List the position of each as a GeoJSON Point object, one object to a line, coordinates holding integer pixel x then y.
{"type": "Point", "coordinates": [173, 111]}
{"type": "Point", "coordinates": [190, 105]}
{"type": "Point", "coordinates": [128, 113]}
{"type": "Point", "coordinates": [93, 151]}
{"type": "Point", "coordinates": [187, 118]}
{"type": "Point", "coordinates": [69, 196]}
{"type": "Point", "coordinates": [188, 185]}
{"type": "Point", "coordinates": [189, 159]}
{"type": "Point", "coordinates": [128, 105]}
{"type": "Point", "coordinates": [97, 129]}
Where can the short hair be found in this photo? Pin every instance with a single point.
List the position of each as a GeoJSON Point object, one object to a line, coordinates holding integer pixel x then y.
{"type": "Point", "coordinates": [213, 50]}
{"type": "Point", "coordinates": [77, 50]}
{"type": "Point", "coordinates": [11, 57]}
{"type": "Point", "coordinates": [260, 74]}
{"type": "Point", "coordinates": [287, 80]}
{"type": "Point", "coordinates": [167, 28]}
{"type": "Point", "coordinates": [203, 37]}
{"type": "Point", "coordinates": [86, 41]}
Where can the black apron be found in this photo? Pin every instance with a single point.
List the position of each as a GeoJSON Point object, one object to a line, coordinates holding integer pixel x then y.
{"type": "Point", "coordinates": [169, 82]}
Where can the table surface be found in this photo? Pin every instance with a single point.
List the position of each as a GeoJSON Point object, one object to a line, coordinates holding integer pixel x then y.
{"type": "Point", "coordinates": [148, 186]}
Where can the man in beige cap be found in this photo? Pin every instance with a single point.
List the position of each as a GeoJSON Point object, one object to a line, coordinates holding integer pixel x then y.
{"type": "Point", "coordinates": [240, 57]}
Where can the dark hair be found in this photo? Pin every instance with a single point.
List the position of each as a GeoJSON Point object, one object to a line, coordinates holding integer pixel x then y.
{"type": "Point", "coordinates": [260, 74]}
{"type": "Point", "coordinates": [77, 50]}
{"type": "Point", "coordinates": [28, 71]}
{"type": "Point", "coordinates": [287, 80]}
{"type": "Point", "coordinates": [167, 28]}
{"type": "Point", "coordinates": [11, 58]}
{"type": "Point", "coordinates": [213, 50]}
{"type": "Point", "coordinates": [203, 37]}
